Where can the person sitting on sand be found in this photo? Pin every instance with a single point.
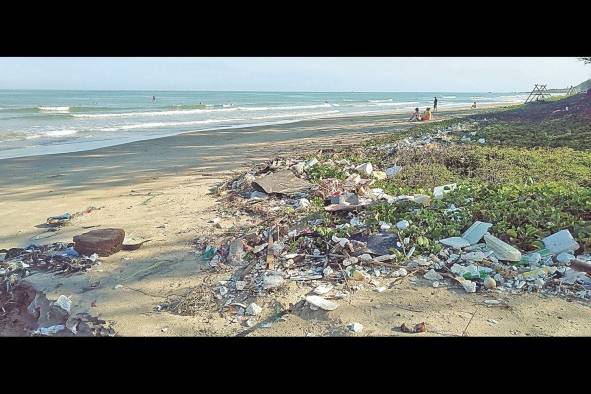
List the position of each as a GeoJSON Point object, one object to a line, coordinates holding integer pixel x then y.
{"type": "Point", "coordinates": [474, 105]}
{"type": "Point", "coordinates": [426, 115]}
{"type": "Point", "coordinates": [415, 116]}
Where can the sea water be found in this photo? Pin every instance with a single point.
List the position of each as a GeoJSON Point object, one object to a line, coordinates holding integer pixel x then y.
{"type": "Point", "coordinates": [37, 122]}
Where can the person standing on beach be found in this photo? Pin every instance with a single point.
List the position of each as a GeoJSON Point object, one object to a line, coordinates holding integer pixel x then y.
{"type": "Point", "coordinates": [434, 104]}
{"type": "Point", "coordinates": [153, 98]}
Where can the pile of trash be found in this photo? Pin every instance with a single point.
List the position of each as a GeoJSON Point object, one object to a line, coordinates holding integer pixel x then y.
{"type": "Point", "coordinates": [25, 311]}
{"type": "Point", "coordinates": [59, 258]}
{"type": "Point", "coordinates": [321, 233]}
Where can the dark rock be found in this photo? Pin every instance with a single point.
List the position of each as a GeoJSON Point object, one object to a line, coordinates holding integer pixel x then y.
{"type": "Point", "coordinates": [103, 242]}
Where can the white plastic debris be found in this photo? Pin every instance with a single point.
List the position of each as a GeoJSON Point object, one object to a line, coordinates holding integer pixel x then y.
{"type": "Point", "coordinates": [253, 309]}
{"type": "Point", "coordinates": [327, 271]}
{"type": "Point", "coordinates": [355, 221]}
{"type": "Point", "coordinates": [439, 191]}
{"type": "Point", "coordinates": [322, 289]}
{"type": "Point", "coordinates": [392, 171]}
{"type": "Point", "coordinates": [455, 242]}
{"type": "Point", "coordinates": [564, 258]}
{"type": "Point", "coordinates": [474, 256]}
{"type": "Point", "coordinates": [118, 287]}
{"type": "Point", "coordinates": [272, 281]}
{"type": "Point", "coordinates": [341, 241]}
{"type": "Point", "coordinates": [481, 140]}
{"type": "Point", "coordinates": [321, 303]}
{"type": "Point", "coordinates": [469, 286]}
{"type": "Point", "coordinates": [386, 257]}
{"type": "Point", "coordinates": [476, 231]}
{"type": "Point", "coordinates": [303, 203]}
{"type": "Point", "coordinates": [350, 261]}
{"type": "Point", "coordinates": [503, 251]}
{"type": "Point", "coordinates": [299, 168]}
{"type": "Point", "coordinates": [561, 241]}
{"type": "Point", "coordinates": [364, 169]}
{"type": "Point", "coordinates": [64, 302]}
{"type": "Point", "coordinates": [433, 275]}
{"type": "Point", "coordinates": [534, 258]}
{"type": "Point", "coordinates": [259, 248]}
{"type": "Point", "coordinates": [400, 272]}
{"type": "Point", "coordinates": [49, 330]}
{"type": "Point", "coordinates": [402, 225]}
{"type": "Point", "coordinates": [356, 327]}
{"type": "Point", "coordinates": [381, 289]}
{"type": "Point", "coordinates": [385, 226]}
{"type": "Point", "coordinates": [240, 285]}
{"type": "Point", "coordinates": [364, 258]}
{"type": "Point", "coordinates": [311, 163]}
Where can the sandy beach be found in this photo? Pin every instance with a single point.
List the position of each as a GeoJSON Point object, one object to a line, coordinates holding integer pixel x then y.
{"type": "Point", "coordinates": [159, 190]}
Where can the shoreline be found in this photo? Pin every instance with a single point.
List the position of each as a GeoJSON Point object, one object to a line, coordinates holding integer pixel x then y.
{"type": "Point", "coordinates": [66, 148]}
{"type": "Point", "coordinates": [160, 190]}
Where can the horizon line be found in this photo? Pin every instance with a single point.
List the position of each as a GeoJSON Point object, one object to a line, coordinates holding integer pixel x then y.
{"type": "Point", "coordinates": [268, 91]}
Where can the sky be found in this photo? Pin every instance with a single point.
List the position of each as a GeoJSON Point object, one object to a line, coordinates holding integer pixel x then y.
{"type": "Point", "coordinates": [293, 74]}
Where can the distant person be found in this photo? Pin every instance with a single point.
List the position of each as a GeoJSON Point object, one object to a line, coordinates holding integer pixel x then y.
{"type": "Point", "coordinates": [434, 103]}
{"type": "Point", "coordinates": [153, 98]}
{"type": "Point", "coordinates": [474, 105]}
{"type": "Point", "coordinates": [427, 115]}
{"type": "Point", "coordinates": [416, 116]}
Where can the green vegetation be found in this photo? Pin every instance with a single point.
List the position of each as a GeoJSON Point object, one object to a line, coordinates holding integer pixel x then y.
{"type": "Point", "coordinates": [530, 179]}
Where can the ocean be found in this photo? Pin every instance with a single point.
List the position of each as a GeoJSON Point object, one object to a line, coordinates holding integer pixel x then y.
{"type": "Point", "coordinates": [37, 122]}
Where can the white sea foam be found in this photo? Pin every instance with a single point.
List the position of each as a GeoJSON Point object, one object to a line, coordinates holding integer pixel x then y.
{"type": "Point", "coordinates": [60, 133]}
{"type": "Point", "coordinates": [54, 109]}
{"type": "Point", "coordinates": [449, 97]}
{"type": "Point", "coordinates": [397, 103]}
{"type": "Point", "coordinates": [295, 115]}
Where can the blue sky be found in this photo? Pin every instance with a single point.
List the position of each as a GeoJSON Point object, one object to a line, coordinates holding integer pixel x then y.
{"type": "Point", "coordinates": [292, 74]}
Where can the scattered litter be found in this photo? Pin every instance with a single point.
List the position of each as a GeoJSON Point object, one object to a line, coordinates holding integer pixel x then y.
{"type": "Point", "coordinates": [440, 191]}
{"type": "Point", "coordinates": [392, 171]}
{"type": "Point", "coordinates": [455, 242]}
{"type": "Point", "coordinates": [561, 241]}
{"type": "Point", "coordinates": [59, 220]}
{"type": "Point", "coordinates": [503, 251]}
{"type": "Point", "coordinates": [253, 309]}
{"type": "Point", "coordinates": [282, 182]}
{"type": "Point", "coordinates": [356, 327]}
{"type": "Point", "coordinates": [49, 330]}
{"type": "Point", "coordinates": [64, 302]}
{"type": "Point", "coordinates": [476, 231]}
{"type": "Point", "coordinates": [321, 303]}
{"type": "Point", "coordinates": [433, 275]}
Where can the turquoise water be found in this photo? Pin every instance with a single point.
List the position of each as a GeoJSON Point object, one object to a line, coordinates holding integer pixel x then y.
{"type": "Point", "coordinates": [46, 121]}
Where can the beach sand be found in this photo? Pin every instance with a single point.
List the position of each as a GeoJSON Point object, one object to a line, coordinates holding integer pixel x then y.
{"type": "Point", "coordinates": [159, 190]}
